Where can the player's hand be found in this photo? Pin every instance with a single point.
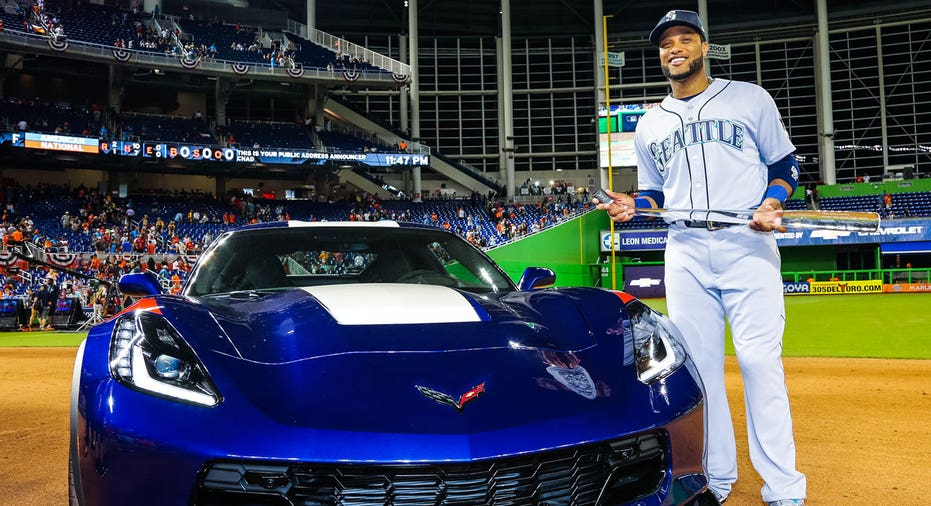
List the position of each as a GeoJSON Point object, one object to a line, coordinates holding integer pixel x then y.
{"type": "Point", "coordinates": [768, 217]}
{"type": "Point", "coordinates": [621, 209]}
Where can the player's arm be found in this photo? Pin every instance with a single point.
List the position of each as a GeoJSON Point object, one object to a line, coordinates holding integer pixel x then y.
{"type": "Point", "coordinates": [783, 180]}
{"type": "Point", "coordinates": [621, 207]}
{"type": "Point", "coordinates": [649, 179]}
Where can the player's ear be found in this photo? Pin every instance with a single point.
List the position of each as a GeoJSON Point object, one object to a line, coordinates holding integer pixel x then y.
{"type": "Point", "coordinates": [704, 48]}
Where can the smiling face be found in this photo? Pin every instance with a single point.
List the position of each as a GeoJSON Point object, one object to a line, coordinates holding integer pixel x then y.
{"type": "Point", "coordinates": [682, 53]}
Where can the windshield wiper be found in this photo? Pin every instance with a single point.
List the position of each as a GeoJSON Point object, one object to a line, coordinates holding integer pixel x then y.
{"type": "Point", "coordinates": [249, 294]}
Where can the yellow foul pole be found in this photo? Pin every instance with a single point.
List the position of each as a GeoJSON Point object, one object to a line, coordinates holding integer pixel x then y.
{"type": "Point", "coordinates": [604, 29]}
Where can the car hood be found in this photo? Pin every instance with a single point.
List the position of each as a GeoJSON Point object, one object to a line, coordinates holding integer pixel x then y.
{"type": "Point", "coordinates": [533, 370]}
{"type": "Point", "coordinates": [302, 324]}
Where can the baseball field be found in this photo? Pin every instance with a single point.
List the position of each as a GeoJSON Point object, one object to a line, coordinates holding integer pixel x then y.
{"type": "Point", "coordinates": [857, 369]}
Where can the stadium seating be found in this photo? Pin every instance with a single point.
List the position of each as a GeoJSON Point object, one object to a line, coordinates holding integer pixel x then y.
{"type": "Point", "coordinates": [223, 37]}
{"type": "Point", "coordinates": [312, 55]}
{"type": "Point", "coordinates": [100, 24]}
{"type": "Point", "coordinates": [309, 54]}
{"type": "Point", "coordinates": [46, 118]}
{"type": "Point", "coordinates": [278, 135]}
{"type": "Point", "coordinates": [911, 204]}
{"type": "Point", "coordinates": [154, 127]}
{"type": "Point", "coordinates": [347, 142]}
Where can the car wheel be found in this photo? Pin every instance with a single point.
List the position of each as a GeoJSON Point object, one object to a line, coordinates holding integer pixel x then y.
{"type": "Point", "coordinates": [706, 498]}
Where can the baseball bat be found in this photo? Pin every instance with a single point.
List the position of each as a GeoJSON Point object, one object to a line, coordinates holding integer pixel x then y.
{"type": "Point", "coordinates": [849, 221]}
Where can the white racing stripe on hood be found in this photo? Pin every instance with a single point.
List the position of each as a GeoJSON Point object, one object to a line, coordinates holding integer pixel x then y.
{"type": "Point", "coordinates": [374, 304]}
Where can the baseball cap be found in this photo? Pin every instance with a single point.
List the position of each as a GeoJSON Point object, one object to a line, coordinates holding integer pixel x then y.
{"type": "Point", "coordinates": [677, 18]}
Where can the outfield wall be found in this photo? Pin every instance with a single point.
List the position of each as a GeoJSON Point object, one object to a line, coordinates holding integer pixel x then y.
{"type": "Point", "coordinates": [572, 250]}
{"type": "Point", "coordinates": [873, 188]}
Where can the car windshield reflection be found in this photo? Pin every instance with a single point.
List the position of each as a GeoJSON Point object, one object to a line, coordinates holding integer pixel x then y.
{"type": "Point", "coordinates": [280, 258]}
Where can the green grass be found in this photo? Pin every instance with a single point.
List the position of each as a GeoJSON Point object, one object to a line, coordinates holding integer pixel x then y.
{"type": "Point", "coordinates": [41, 338]}
{"type": "Point", "coordinates": [892, 325]}
{"type": "Point", "coordinates": [874, 326]}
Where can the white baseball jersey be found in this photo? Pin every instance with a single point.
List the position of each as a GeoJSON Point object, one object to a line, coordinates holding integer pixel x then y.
{"type": "Point", "coordinates": [712, 150]}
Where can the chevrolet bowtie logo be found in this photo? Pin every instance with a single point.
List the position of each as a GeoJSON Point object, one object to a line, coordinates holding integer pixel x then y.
{"type": "Point", "coordinates": [444, 398]}
{"type": "Point", "coordinates": [645, 282]}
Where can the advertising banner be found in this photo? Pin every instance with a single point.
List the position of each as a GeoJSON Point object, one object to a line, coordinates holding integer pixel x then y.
{"type": "Point", "coordinates": [645, 281]}
{"type": "Point", "coordinates": [889, 231]}
{"type": "Point", "coordinates": [634, 240]}
{"type": "Point", "coordinates": [800, 288]}
{"type": "Point", "coordinates": [846, 287]}
{"type": "Point", "coordinates": [907, 288]}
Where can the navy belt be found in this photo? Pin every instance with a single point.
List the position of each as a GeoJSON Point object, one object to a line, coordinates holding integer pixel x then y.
{"type": "Point", "coordinates": [707, 225]}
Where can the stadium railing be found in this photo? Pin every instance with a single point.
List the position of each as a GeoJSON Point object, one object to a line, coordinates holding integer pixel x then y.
{"type": "Point", "coordinates": [888, 276]}
{"type": "Point", "coordinates": [101, 52]}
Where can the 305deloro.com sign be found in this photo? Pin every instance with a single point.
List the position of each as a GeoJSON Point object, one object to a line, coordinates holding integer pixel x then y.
{"type": "Point", "coordinates": [846, 287]}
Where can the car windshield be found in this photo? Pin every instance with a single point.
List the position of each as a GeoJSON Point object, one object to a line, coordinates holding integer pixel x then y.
{"type": "Point", "coordinates": [298, 256]}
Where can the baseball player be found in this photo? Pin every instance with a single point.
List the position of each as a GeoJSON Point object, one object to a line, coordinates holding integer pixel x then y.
{"type": "Point", "coordinates": [715, 143]}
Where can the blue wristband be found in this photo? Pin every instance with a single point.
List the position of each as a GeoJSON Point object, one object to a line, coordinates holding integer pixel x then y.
{"type": "Point", "coordinates": [642, 202]}
{"type": "Point", "coordinates": [777, 192]}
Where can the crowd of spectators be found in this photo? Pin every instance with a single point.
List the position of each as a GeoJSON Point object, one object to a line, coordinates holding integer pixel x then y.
{"type": "Point", "coordinates": [39, 20]}
{"type": "Point", "coordinates": [164, 231]}
{"type": "Point", "coordinates": [144, 37]}
{"type": "Point", "coordinates": [42, 116]}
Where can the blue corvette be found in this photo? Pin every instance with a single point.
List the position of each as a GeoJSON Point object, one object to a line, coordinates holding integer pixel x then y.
{"type": "Point", "coordinates": [381, 364]}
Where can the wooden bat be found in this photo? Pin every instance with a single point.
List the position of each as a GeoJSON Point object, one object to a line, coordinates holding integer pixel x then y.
{"type": "Point", "coordinates": [851, 221]}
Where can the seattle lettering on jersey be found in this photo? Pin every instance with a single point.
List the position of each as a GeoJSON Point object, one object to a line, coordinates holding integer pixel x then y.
{"type": "Point", "coordinates": [725, 131]}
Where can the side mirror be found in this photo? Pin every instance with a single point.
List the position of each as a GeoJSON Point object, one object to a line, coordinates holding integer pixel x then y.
{"type": "Point", "coordinates": [536, 277]}
{"type": "Point", "coordinates": [139, 284]}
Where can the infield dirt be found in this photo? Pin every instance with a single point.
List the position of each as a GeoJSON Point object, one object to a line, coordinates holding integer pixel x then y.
{"type": "Point", "coordinates": [862, 428]}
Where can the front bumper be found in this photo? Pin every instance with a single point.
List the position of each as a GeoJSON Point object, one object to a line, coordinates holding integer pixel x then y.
{"type": "Point", "coordinates": [131, 448]}
{"type": "Point", "coordinates": [662, 466]}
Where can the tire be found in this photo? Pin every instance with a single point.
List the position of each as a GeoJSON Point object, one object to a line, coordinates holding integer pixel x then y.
{"type": "Point", "coordinates": [706, 498]}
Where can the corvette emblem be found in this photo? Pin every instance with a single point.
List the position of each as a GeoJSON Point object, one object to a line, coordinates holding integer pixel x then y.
{"type": "Point", "coordinates": [444, 398]}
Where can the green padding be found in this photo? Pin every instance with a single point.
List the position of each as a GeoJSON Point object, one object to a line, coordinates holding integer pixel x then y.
{"type": "Point", "coordinates": [566, 274]}
{"type": "Point", "coordinates": [874, 188]}
{"type": "Point", "coordinates": [570, 249]}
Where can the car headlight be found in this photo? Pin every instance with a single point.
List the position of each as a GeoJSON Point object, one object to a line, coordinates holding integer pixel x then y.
{"type": "Point", "coordinates": [658, 346]}
{"type": "Point", "coordinates": [149, 355]}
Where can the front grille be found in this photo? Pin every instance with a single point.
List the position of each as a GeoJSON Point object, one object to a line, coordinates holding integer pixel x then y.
{"type": "Point", "coordinates": [617, 472]}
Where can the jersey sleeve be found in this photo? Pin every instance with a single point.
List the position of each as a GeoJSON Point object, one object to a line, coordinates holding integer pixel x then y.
{"type": "Point", "coordinates": [648, 175]}
{"type": "Point", "coordinates": [772, 137]}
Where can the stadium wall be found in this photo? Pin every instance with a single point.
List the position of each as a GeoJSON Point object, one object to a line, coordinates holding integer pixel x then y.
{"type": "Point", "coordinates": [570, 249]}
{"type": "Point", "coordinates": [809, 258]}
{"type": "Point", "coordinates": [873, 188]}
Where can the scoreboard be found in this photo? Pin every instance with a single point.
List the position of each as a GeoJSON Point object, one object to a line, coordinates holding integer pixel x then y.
{"type": "Point", "coordinates": [207, 152]}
